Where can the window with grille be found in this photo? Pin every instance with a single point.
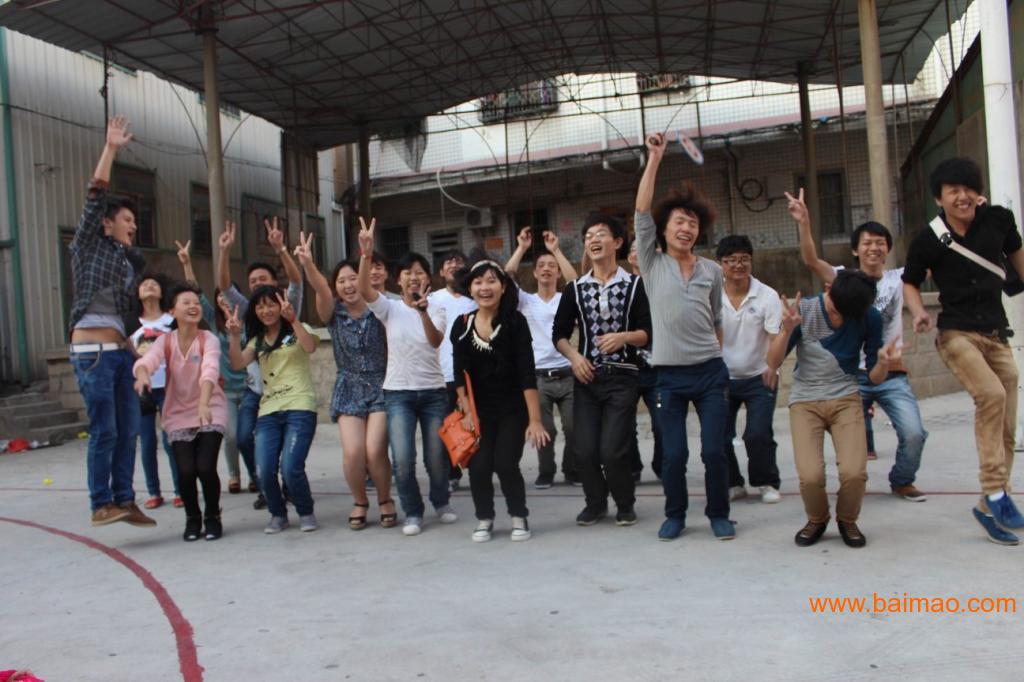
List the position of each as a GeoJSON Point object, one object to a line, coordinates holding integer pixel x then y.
{"type": "Point", "coordinates": [199, 209]}
{"type": "Point", "coordinates": [833, 202]}
{"type": "Point", "coordinates": [524, 101]}
{"type": "Point", "coordinates": [441, 243]}
{"type": "Point", "coordinates": [394, 241]}
{"type": "Point", "coordinates": [139, 186]}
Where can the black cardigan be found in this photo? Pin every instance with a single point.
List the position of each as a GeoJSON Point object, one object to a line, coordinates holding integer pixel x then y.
{"type": "Point", "coordinates": [501, 374]}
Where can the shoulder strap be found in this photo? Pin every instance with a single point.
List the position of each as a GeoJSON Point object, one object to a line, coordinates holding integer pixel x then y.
{"type": "Point", "coordinates": [938, 226]}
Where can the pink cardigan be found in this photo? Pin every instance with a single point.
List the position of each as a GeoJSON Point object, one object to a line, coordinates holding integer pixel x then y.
{"type": "Point", "coordinates": [181, 403]}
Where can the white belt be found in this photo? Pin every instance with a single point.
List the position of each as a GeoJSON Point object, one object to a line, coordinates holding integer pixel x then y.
{"type": "Point", "coordinates": [96, 347]}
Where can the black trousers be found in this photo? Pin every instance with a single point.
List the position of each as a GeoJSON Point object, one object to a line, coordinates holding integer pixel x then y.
{"type": "Point", "coordinates": [604, 412]}
{"type": "Point", "coordinates": [197, 459]}
{"type": "Point", "coordinates": [502, 438]}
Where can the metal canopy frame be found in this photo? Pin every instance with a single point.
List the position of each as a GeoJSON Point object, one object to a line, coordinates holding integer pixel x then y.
{"type": "Point", "coordinates": [325, 69]}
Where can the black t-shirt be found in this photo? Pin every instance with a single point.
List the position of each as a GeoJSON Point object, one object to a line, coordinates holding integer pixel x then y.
{"type": "Point", "coordinates": [501, 369]}
{"type": "Point", "coordinates": [970, 295]}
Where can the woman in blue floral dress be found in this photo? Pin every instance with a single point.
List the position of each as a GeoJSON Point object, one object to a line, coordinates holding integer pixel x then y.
{"type": "Point", "coordinates": [357, 403]}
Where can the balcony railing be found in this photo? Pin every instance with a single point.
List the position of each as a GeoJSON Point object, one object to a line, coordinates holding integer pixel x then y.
{"type": "Point", "coordinates": [524, 101]}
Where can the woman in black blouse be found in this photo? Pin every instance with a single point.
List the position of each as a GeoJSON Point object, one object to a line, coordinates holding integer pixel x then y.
{"type": "Point", "coordinates": [493, 345]}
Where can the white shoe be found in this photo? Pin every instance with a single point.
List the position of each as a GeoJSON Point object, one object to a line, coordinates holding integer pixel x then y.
{"type": "Point", "coordinates": [447, 514]}
{"type": "Point", "coordinates": [737, 492]}
{"type": "Point", "coordinates": [483, 531]}
{"type": "Point", "coordinates": [307, 523]}
{"type": "Point", "coordinates": [413, 525]}
{"type": "Point", "coordinates": [520, 529]}
{"type": "Point", "coordinates": [769, 495]}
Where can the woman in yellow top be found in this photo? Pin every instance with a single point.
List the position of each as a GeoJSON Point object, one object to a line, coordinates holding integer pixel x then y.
{"type": "Point", "coordinates": [287, 416]}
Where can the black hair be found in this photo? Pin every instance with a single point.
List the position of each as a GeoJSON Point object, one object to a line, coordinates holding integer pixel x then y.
{"type": "Point", "coordinates": [408, 260]}
{"type": "Point", "coordinates": [454, 253]}
{"type": "Point", "coordinates": [218, 315]}
{"type": "Point", "coordinates": [871, 227]}
{"type": "Point", "coordinates": [259, 265]}
{"type": "Point", "coordinates": [544, 252]}
{"type": "Point", "coordinates": [956, 171]}
{"type": "Point", "coordinates": [509, 303]}
{"type": "Point", "coordinates": [614, 224]}
{"type": "Point", "coordinates": [254, 328]}
{"type": "Point", "coordinates": [337, 270]}
{"type": "Point", "coordinates": [687, 198]}
{"type": "Point", "coordinates": [378, 258]}
{"type": "Point", "coordinates": [852, 293]}
{"type": "Point", "coordinates": [115, 204]}
{"type": "Point", "coordinates": [734, 243]}
{"type": "Point", "coordinates": [165, 283]}
{"type": "Point", "coordinates": [179, 288]}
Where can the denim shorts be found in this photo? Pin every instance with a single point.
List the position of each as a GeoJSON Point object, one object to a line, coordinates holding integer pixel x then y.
{"type": "Point", "coordinates": [357, 395]}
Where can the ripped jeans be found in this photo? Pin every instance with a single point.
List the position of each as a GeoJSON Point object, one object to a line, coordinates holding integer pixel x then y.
{"type": "Point", "coordinates": [282, 441]}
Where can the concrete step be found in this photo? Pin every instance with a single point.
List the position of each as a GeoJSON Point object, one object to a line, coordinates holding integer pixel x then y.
{"type": "Point", "coordinates": [55, 435]}
{"type": "Point", "coordinates": [32, 409]}
{"type": "Point", "coordinates": [43, 420]}
{"type": "Point", "coordinates": [24, 399]}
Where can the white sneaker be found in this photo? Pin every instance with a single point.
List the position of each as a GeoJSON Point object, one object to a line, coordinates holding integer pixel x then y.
{"type": "Point", "coordinates": [413, 525]}
{"type": "Point", "coordinates": [769, 495]}
{"type": "Point", "coordinates": [483, 531]}
{"type": "Point", "coordinates": [447, 514]}
{"type": "Point", "coordinates": [520, 529]}
{"type": "Point", "coordinates": [307, 523]}
{"type": "Point", "coordinates": [737, 492]}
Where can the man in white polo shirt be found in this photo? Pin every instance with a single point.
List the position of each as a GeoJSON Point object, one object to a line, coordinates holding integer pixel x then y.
{"type": "Point", "coordinates": [751, 318]}
{"type": "Point", "coordinates": [554, 372]}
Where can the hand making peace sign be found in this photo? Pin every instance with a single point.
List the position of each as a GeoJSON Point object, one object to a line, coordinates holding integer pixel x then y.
{"type": "Point", "coordinates": [796, 207]}
{"type": "Point", "coordinates": [233, 324]}
{"type": "Point", "coordinates": [275, 237]}
{"type": "Point", "coordinates": [287, 311]}
{"type": "Point", "coordinates": [366, 236]}
{"type": "Point", "coordinates": [304, 249]}
{"type": "Point", "coordinates": [791, 317]}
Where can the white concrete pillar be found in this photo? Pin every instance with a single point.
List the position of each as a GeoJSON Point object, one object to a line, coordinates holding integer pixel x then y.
{"type": "Point", "coordinates": [214, 146]}
{"type": "Point", "coordinates": [874, 106]}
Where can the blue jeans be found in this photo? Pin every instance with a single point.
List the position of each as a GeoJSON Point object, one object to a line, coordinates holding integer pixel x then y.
{"type": "Point", "coordinates": [106, 383]}
{"type": "Point", "coordinates": [758, 436]}
{"type": "Point", "coordinates": [282, 442]}
{"type": "Point", "coordinates": [900, 404]}
{"type": "Point", "coordinates": [231, 449]}
{"type": "Point", "coordinates": [404, 409]}
{"type": "Point", "coordinates": [649, 393]}
{"type": "Point", "coordinates": [245, 433]}
{"type": "Point", "coordinates": [147, 448]}
{"type": "Point", "coordinates": [707, 386]}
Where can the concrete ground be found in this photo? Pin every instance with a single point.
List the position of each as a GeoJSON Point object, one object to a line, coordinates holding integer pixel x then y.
{"type": "Point", "coordinates": [598, 603]}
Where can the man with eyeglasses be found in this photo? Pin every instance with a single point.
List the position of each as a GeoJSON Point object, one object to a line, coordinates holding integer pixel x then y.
{"type": "Point", "coordinates": [751, 318]}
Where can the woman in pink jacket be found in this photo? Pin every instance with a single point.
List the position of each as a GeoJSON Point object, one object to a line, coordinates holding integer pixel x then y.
{"type": "Point", "coordinates": [195, 410]}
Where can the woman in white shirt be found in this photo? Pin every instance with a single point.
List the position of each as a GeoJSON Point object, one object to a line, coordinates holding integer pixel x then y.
{"type": "Point", "coordinates": [414, 387]}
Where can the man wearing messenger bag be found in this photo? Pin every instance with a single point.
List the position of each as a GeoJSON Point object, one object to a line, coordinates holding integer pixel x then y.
{"type": "Point", "coordinates": [967, 248]}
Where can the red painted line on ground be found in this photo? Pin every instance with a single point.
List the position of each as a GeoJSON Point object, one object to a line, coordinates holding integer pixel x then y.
{"type": "Point", "coordinates": [188, 660]}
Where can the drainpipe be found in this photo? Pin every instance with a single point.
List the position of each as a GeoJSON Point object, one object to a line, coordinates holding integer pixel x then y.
{"type": "Point", "coordinates": [12, 214]}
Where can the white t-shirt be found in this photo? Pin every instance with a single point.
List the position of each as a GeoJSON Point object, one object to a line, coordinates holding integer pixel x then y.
{"type": "Point", "coordinates": [746, 330]}
{"type": "Point", "coordinates": [540, 315]}
{"type": "Point", "coordinates": [145, 336]}
{"type": "Point", "coordinates": [454, 307]}
{"type": "Point", "coordinates": [889, 302]}
{"type": "Point", "coordinates": [413, 364]}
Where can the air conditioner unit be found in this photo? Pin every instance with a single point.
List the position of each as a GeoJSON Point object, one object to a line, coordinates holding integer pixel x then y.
{"type": "Point", "coordinates": [477, 218]}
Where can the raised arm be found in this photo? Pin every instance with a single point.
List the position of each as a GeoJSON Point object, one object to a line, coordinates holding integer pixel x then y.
{"type": "Point", "coordinates": [275, 237]}
{"type": "Point", "coordinates": [226, 242]}
{"type": "Point", "coordinates": [778, 346]}
{"type": "Point", "coordinates": [655, 153]}
{"type": "Point", "coordinates": [552, 245]}
{"type": "Point", "coordinates": [306, 340]}
{"type": "Point", "coordinates": [434, 335]}
{"type": "Point", "coordinates": [324, 296]}
{"type": "Point", "coordinates": [90, 225]}
{"type": "Point", "coordinates": [523, 242]}
{"type": "Point", "coordinates": [808, 252]}
{"type": "Point", "coordinates": [186, 260]}
{"type": "Point", "coordinates": [238, 356]}
{"type": "Point", "coordinates": [366, 240]}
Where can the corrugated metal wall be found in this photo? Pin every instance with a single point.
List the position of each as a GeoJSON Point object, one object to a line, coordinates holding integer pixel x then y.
{"type": "Point", "coordinates": [58, 135]}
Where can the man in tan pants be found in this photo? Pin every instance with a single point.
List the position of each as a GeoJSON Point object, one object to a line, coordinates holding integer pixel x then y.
{"type": "Point", "coordinates": [973, 329]}
{"type": "Point", "coordinates": [829, 332]}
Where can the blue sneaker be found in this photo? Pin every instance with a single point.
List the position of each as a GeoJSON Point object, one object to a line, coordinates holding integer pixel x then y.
{"type": "Point", "coordinates": [994, 532]}
{"type": "Point", "coordinates": [1005, 512]}
{"type": "Point", "coordinates": [723, 529]}
{"type": "Point", "coordinates": [671, 529]}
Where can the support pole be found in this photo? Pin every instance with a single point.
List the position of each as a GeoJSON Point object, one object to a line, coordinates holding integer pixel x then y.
{"type": "Point", "coordinates": [874, 105]}
{"type": "Point", "coordinates": [364, 172]}
{"type": "Point", "coordinates": [1003, 148]}
{"type": "Point", "coordinates": [810, 160]}
{"type": "Point", "coordinates": [214, 146]}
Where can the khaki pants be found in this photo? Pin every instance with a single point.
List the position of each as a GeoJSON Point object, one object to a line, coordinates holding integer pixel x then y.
{"type": "Point", "coordinates": [985, 366]}
{"type": "Point", "coordinates": [844, 419]}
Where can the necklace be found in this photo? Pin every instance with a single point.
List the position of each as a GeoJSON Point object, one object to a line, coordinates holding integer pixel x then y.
{"type": "Point", "coordinates": [484, 345]}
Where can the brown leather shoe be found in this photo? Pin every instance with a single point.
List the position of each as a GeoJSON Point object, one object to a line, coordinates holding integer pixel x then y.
{"type": "Point", "coordinates": [810, 534]}
{"type": "Point", "coordinates": [851, 534]}
{"type": "Point", "coordinates": [107, 514]}
{"type": "Point", "coordinates": [909, 492]}
{"type": "Point", "coordinates": [135, 517]}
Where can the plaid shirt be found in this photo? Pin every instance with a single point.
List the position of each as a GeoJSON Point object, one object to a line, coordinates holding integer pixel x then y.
{"type": "Point", "coordinates": [98, 262]}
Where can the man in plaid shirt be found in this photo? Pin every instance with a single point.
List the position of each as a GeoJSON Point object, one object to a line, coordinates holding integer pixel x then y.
{"type": "Point", "coordinates": [105, 272]}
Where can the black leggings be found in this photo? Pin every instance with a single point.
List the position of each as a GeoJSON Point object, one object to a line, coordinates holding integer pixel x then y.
{"type": "Point", "coordinates": [501, 447]}
{"type": "Point", "coordinates": [198, 459]}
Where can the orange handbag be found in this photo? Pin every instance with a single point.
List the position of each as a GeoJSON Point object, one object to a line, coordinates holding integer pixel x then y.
{"type": "Point", "coordinates": [461, 443]}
